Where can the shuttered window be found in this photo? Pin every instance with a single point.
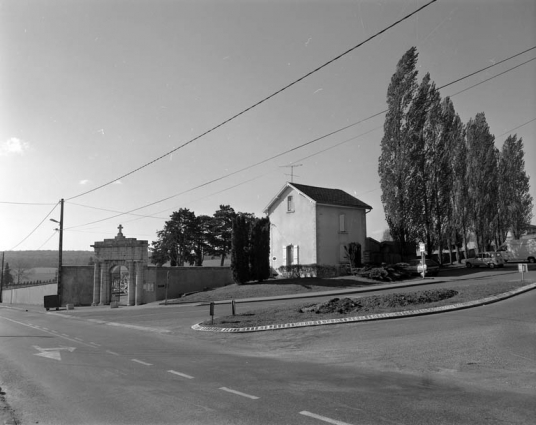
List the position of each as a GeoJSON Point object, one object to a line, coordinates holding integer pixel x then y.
{"type": "Point", "coordinates": [290, 204]}
{"type": "Point", "coordinates": [342, 223]}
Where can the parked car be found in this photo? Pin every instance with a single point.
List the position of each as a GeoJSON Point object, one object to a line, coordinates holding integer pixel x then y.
{"type": "Point", "coordinates": [486, 259]}
{"type": "Point", "coordinates": [432, 267]}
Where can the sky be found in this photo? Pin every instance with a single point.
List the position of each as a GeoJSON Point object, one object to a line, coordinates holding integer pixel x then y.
{"type": "Point", "coordinates": [101, 91]}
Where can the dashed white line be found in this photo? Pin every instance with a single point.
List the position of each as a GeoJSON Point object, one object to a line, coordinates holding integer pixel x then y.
{"type": "Point", "coordinates": [112, 352]}
{"type": "Point", "coordinates": [143, 363]}
{"type": "Point", "coordinates": [95, 344]}
{"type": "Point", "coordinates": [65, 335]}
{"type": "Point", "coordinates": [239, 393]}
{"type": "Point", "coordinates": [78, 339]}
{"type": "Point", "coordinates": [323, 418]}
{"type": "Point", "coordinates": [180, 374]}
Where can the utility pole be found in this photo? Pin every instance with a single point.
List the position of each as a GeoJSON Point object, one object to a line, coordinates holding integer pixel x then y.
{"type": "Point", "coordinates": [292, 166]}
{"type": "Point", "coordinates": [2, 278]}
{"type": "Point", "coordinates": [60, 256]}
{"type": "Point", "coordinates": [60, 260]}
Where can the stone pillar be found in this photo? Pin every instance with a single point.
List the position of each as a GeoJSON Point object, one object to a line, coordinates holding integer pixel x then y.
{"type": "Point", "coordinates": [131, 282]}
{"type": "Point", "coordinates": [96, 283]}
{"type": "Point", "coordinates": [105, 284]}
{"type": "Point", "coordinates": [139, 282]}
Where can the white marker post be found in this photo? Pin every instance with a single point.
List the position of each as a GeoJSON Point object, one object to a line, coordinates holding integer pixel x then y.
{"type": "Point", "coordinates": [423, 260]}
{"type": "Point", "coordinates": [523, 268]}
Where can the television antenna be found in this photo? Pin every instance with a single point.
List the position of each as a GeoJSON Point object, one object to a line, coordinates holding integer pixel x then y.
{"type": "Point", "coordinates": [292, 166]}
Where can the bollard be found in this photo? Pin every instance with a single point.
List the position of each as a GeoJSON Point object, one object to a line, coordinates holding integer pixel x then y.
{"type": "Point", "coordinates": [212, 311]}
{"type": "Point", "coordinates": [233, 307]}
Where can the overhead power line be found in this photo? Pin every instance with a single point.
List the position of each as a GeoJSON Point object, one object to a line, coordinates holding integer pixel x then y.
{"type": "Point", "coordinates": [37, 227]}
{"type": "Point", "coordinates": [26, 203]}
{"type": "Point", "coordinates": [306, 144]}
{"type": "Point", "coordinates": [515, 128]}
{"type": "Point", "coordinates": [258, 103]}
{"type": "Point", "coordinates": [495, 76]}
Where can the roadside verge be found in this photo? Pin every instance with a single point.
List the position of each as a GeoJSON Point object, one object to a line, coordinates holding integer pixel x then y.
{"type": "Point", "coordinates": [371, 317]}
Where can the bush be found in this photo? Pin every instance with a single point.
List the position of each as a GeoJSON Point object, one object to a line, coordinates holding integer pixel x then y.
{"type": "Point", "coordinates": [309, 270]}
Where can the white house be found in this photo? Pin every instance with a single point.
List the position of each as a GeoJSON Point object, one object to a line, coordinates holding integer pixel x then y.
{"type": "Point", "coordinates": [312, 225]}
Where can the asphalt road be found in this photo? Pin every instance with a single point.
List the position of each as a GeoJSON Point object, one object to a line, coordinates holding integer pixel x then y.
{"type": "Point", "coordinates": [472, 366]}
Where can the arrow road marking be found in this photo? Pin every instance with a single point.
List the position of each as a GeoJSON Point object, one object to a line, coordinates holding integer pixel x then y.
{"type": "Point", "coordinates": [52, 353]}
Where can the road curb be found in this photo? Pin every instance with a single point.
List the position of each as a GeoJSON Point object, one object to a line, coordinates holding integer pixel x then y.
{"type": "Point", "coordinates": [371, 317]}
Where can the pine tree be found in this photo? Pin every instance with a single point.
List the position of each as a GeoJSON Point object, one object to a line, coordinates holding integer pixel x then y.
{"type": "Point", "coordinates": [8, 277]}
{"type": "Point", "coordinates": [393, 162]}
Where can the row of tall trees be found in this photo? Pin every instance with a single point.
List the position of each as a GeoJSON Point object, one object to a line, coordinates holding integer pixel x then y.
{"type": "Point", "coordinates": [442, 180]}
{"type": "Point", "coordinates": [187, 238]}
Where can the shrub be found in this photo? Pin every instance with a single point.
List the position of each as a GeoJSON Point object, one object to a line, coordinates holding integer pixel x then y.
{"type": "Point", "coordinates": [309, 270]}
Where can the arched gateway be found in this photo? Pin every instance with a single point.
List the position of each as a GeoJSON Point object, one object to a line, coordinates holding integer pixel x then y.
{"type": "Point", "coordinates": [120, 251]}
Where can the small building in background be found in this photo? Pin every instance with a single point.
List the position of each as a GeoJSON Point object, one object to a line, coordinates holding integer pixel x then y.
{"type": "Point", "coordinates": [313, 225]}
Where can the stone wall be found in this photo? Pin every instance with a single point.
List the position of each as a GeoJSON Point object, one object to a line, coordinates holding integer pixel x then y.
{"type": "Point", "coordinates": [32, 295]}
{"type": "Point", "coordinates": [183, 280]}
{"type": "Point", "coordinates": [77, 283]}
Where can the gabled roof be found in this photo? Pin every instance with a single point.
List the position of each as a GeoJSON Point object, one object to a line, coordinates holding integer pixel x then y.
{"type": "Point", "coordinates": [322, 195]}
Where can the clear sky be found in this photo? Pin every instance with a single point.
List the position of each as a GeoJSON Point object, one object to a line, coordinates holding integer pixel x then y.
{"type": "Point", "coordinates": [92, 90]}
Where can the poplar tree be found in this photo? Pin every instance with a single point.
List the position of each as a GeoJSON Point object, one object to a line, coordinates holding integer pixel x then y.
{"type": "Point", "coordinates": [458, 223]}
{"type": "Point", "coordinates": [482, 173]}
{"type": "Point", "coordinates": [442, 177]}
{"type": "Point", "coordinates": [393, 167]}
{"type": "Point", "coordinates": [515, 207]}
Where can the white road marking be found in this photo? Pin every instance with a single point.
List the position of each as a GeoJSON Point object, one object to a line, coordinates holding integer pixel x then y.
{"type": "Point", "coordinates": [49, 331]}
{"type": "Point", "coordinates": [112, 352]}
{"type": "Point", "coordinates": [238, 393]}
{"type": "Point", "coordinates": [46, 329]}
{"type": "Point", "coordinates": [65, 335]}
{"type": "Point", "coordinates": [323, 418]}
{"type": "Point", "coordinates": [143, 363]}
{"type": "Point", "coordinates": [95, 344]}
{"type": "Point", "coordinates": [52, 353]}
{"type": "Point", "coordinates": [78, 339]}
{"type": "Point", "coordinates": [180, 374]}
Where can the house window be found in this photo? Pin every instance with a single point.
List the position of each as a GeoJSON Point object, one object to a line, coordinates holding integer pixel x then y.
{"type": "Point", "coordinates": [342, 223]}
{"type": "Point", "coordinates": [290, 204]}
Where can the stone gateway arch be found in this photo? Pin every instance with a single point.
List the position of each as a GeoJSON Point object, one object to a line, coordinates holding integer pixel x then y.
{"type": "Point", "coordinates": [120, 251]}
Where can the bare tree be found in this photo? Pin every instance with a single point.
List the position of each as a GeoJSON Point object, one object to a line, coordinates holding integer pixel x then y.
{"type": "Point", "coordinates": [21, 272]}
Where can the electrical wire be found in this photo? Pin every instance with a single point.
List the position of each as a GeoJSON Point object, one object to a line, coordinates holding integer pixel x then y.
{"type": "Point", "coordinates": [309, 143]}
{"type": "Point", "coordinates": [515, 128]}
{"type": "Point", "coordinates": [258, 103]}
{"type": "Point", "coordinates": [43, 244]}
{"type": "Point", "coordinates": [32, 232]}
{"type": "Point", "coordinates": [25, 203]}
{"type": "Point", "coordinates": [495, 76]}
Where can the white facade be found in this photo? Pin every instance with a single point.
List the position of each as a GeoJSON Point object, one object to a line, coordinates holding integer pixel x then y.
{"type": "Point", "coordinates": [305, 231]}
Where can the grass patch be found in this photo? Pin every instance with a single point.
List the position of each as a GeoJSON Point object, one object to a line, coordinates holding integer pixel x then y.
{"type": "Point", "coordinates": [362, 306]}
{"type": "Point", "coordinates": [272, 288]}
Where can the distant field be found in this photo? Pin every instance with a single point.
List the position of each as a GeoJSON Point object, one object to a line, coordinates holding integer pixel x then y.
{"type": "Point", "coordinates": [41, 273]}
